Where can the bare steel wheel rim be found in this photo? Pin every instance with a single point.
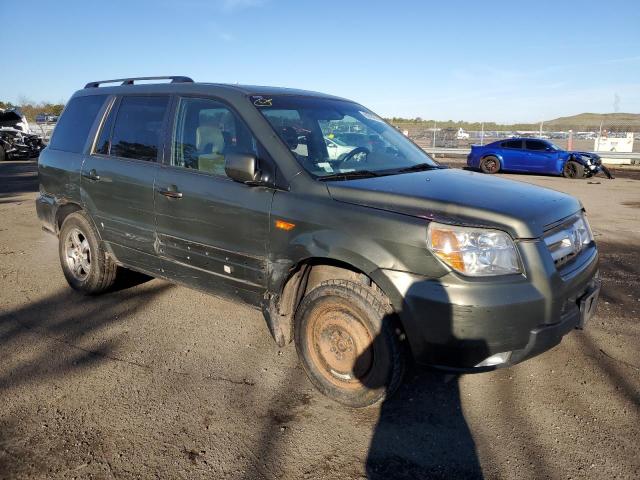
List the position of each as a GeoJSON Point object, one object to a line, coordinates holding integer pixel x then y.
{"type": "Point", "coordinates": [77, 254]}
{"type": "Point", "coordinates": [340, 346]}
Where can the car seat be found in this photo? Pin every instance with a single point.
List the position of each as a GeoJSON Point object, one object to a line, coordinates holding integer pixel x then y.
{"type": "Point", "coordinates": [210, 146]}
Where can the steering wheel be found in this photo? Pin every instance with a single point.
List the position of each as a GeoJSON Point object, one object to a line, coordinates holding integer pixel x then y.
{"type": "Point", "coordinates": [353, 153]}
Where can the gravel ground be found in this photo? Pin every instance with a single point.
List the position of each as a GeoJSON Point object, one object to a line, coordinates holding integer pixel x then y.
{"type": "Point", "coordinates": [156, 380]}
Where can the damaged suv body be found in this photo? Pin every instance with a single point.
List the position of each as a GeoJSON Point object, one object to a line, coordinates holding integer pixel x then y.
{"type": "Point", "coordinates": [16, 140]}
{"type": "Point", "coordinates": [365, 260]}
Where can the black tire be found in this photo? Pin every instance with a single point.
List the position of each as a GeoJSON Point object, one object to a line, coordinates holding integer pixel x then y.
{"type": "Point", "coordinates": [573, 170]}
{"type": "Point", "coordinates": [353, 327]}
{"type": "Point", "coordinates": [490, 164]}
{"type": "Point", "coordinates": [3, 154]}
{"type": "Point", "coordinates": [96, 271]}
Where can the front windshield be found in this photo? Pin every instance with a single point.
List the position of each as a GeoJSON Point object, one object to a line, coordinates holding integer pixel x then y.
{"type": "Point", "coordinates": [330, 138]}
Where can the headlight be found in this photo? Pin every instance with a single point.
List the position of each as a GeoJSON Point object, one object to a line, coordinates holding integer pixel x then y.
{"type": "Point", "coordinates": [583, 234]}
{"type": "Point", "coordinates": [477, 252]}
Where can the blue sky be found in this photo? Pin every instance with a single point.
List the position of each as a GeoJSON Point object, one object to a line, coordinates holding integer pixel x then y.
{"type": "Point", "coordinates": [471, 60]}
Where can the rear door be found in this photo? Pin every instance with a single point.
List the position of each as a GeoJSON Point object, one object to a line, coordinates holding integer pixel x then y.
{"type": "Point", "coordinates": [513, 156]}
{"type": "Point", "coordinates": [212, 231]}
{"type": "Point", "coordinates": [118, 177]}
{"type": "Point", "coordinates": [541, 158]}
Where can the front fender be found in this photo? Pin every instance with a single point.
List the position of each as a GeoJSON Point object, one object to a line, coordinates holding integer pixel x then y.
{"type": "Point", "coordinates": [365, 238]}
{"type": "Point", "coordinates": [327, 246]}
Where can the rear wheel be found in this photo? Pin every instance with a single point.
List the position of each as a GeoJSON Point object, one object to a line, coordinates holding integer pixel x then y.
{"type": "Point", "coordinates": [573, 170]}
{"type": "Point", "coordinates": [85, 264]}
{"type": "Point", "coordinates": [349, 344]}
{"type": "Point", "coordinates": [490, 164]}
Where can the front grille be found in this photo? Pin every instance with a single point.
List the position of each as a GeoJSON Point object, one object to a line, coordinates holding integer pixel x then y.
{"type": "Point", "coordinates": [567, 240]}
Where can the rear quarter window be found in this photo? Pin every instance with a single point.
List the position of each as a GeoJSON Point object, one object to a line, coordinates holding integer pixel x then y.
{"type": "Point", "coordinates": [70, 134]}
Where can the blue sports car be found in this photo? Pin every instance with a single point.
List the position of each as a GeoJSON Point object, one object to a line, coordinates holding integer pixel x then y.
{"type": "Point", "coordinates": [535, 156]}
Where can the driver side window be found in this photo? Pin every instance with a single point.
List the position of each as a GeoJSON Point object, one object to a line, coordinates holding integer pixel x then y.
{"type": "Point", "coordinates": [204, 132]}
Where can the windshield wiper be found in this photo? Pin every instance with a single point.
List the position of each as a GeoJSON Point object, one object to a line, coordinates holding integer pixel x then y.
{"type": "Point", "coordinates": [420, 167]}
{"type": "Point", "coordinates": [348, 175]}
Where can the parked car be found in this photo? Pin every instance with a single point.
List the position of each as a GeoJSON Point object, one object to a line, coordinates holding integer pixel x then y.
{"type": "Point", "coordinates": [16, 141]}
{"type": "Point", "coordinates": [534, 156]}
{"type": "Point", "coordinates": [14, 118]}
{"type": "Point", "coordinates": [336, 148]}
{"type": "Point", "coordinates": [18, 145]}
{"type": "Point", "coordinates": [363, 263]}
{"type": "Point", "coordinates": [462, 135]}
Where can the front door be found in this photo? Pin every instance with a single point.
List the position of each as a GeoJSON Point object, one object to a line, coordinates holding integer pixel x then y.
{"type": "Point", "coordinates": [541, 157]}
{"type": "Point", "coordinates": [118, 176]}
{"type": "Point", "coordinates": [212, 231]}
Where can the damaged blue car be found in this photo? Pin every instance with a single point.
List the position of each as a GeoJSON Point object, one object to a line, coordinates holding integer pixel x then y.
{"type": "Point", "coordinates": [534, 155]}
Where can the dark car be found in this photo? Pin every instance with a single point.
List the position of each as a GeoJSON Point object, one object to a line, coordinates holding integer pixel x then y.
{"type": "Point", "coordinates": [365, 261]}
{"type": "Point", "coordinates": [534, 155]}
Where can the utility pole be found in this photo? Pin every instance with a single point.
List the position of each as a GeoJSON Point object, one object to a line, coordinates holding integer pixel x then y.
{"type": "Point", "coordinates": [433, 145]}
{"type": "Point", "coordinates": [540, 134]}
{"type": "Point", "coordinates": [482, 133]}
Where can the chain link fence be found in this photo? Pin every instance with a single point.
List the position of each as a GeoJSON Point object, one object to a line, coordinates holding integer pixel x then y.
{"type": "Point", "coordinates": [601, 137]}
{"type": "Point", "coordinates": [44, 130]}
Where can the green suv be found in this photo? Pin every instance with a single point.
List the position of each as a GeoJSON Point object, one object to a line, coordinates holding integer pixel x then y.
{"type": "Point", "coordinates": [352, 241]}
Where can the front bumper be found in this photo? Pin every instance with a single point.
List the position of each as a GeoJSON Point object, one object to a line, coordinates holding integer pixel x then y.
{"type": "Point", "coordinates": [457, 323]}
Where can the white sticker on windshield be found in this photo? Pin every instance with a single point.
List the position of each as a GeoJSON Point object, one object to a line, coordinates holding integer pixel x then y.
{"type": "Point", "coordinates": [371, 116]}
{"type": "Point", "coordinates": [326, 166]}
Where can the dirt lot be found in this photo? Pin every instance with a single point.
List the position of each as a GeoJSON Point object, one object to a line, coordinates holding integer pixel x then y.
{"type": "Point", "coordinates": [156, 380]}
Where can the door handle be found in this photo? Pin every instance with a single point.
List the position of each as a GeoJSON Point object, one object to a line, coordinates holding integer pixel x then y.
{"type": "Point", "coordinates": [91, 175]}
{"type": "Point", "coordinates": [170, 192]}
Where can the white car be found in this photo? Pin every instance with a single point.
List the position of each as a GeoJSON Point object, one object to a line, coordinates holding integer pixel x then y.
{"type": "Point", "coordinates": [462, 135]}
{"type": "Point", "coordinates": [336, 148]}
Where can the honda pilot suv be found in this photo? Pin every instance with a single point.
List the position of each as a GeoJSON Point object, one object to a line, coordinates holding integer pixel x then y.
{"type": "Point", "coordinates": [366, 259]}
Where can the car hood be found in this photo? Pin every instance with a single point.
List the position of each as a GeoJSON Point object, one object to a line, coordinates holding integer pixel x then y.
{"type": "Point", "coordinates": [459, 196]}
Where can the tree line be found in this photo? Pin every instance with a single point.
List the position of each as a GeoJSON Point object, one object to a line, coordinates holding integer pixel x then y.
{"type": "Point", "coordinates": [473, 126]}
{"type": "Point", "coordinates": [31, 109]}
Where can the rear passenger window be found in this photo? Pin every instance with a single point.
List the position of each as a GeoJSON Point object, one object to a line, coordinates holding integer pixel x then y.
{"type": "Point", "coordinates": [205, 131]}
{"type": "Point", "coordinates": [73, 127]}
{"type": "Point", "coordinates": [535, 145]}
{"type": "Point", "coordinates": [138, 126]}
{"type": "Point", "coordinates": [512, 144]}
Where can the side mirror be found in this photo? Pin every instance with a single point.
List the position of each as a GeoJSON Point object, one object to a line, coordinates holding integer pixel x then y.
{"type": "Point", "coordinates": [242, 167]}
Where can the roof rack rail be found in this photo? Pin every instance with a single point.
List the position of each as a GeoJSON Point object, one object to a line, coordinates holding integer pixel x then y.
{"type": "Point", "coordinates": [129, 81]}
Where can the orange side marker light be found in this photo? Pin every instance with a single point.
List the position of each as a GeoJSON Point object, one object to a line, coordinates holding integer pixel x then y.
{"type": "Point", "coordinates": [286, 226]}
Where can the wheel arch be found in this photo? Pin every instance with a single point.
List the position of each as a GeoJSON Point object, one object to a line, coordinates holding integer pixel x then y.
{"type": "Point", "coordinates": [63, 211]}
{"type": "Point", "coordinates": [303, 276]}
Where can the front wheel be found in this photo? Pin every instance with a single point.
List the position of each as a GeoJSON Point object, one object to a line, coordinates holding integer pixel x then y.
{"type": "Point", "coordinates": [490, 164]}
{"type": "Point", "coordinates": [85, 264]}
{"type": "Point", "coordinates": [573, 170]}
{"type": "Point", "coordinates": [349, 344]}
